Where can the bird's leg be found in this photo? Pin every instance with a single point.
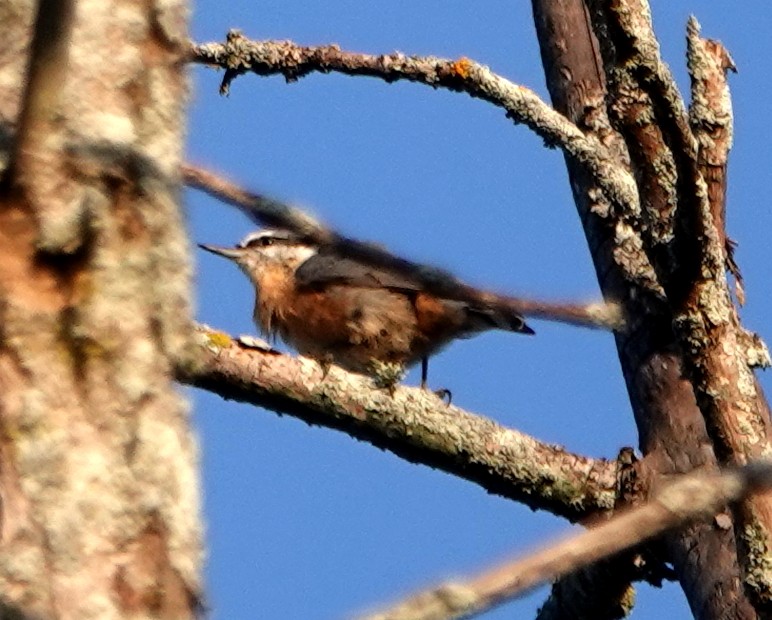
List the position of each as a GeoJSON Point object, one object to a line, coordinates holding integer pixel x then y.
{"type": "Point", "coordinates": [442, 393]}
{"type": "Point", "coordinates": [325, 363]}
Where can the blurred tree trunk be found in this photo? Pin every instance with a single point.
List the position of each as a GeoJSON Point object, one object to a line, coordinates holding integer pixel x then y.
{"type": "Point", "coordinates": [98, 487]}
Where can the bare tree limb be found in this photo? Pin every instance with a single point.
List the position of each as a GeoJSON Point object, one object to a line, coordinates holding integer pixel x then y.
{"type": "Point", "coordinates": [711, 120]}
{"type": "Point", "coordinates": [604, 590]}
{"type": "Point", "coordinates": [240, 55]}
{"type": "Point", "coordinates": [268, 211]}
{"type": "Point", "coordinates": [412, 423]}
{"type": "Point", "coordinates": [720, 353]}
{"type": "Point", "coordinates": [688, 254]}
{"type": "Point", "coordinates": [647, 108]}
{"type": "Point", "coordinates": [696, 496]}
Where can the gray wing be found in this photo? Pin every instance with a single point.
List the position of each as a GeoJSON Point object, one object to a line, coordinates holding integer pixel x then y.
{"type": "Point", "coordinates": [324, 269]}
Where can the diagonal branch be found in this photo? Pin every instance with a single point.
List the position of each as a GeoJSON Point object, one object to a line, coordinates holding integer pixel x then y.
{"type": "Point", "coordinates": [412, 423]}
{"type": "Point", "coordinates": [240, 55]}
{"type": "Point", "coordinates": [267, 211]}
{"type": "Point", "coordinates": [601, 591]}
{"type": "Point", "coordinates": [696, 496]}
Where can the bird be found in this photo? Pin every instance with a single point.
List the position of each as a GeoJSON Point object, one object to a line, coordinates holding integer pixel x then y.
{"type": "Point", "coordinates": [341, 310]}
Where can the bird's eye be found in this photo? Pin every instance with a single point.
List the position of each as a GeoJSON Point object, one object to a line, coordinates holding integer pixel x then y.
{"type": "Point", "coordinates": [259, 242]}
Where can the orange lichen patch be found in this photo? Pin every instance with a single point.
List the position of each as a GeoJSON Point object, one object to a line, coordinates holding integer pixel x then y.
{"type": "Point", "coordinates": [462, 67]}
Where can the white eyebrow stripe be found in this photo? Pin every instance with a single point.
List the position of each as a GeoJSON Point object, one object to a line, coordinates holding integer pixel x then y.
{"type": "Point", "coordinates": [261, 234]}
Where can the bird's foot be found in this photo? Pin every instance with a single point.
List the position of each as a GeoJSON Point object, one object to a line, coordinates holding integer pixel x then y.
{"type": "Point", "coordinates": [443, 394]}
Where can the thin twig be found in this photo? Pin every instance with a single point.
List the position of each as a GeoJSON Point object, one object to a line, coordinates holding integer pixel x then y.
{"type": "Point", "coordinates": [693, 497]}
{"type": "Point", "coordinates": [267, 211]}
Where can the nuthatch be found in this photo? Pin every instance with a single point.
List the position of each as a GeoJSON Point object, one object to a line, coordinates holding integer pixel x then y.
{"type": "Point", "coordinates": [341, 310]}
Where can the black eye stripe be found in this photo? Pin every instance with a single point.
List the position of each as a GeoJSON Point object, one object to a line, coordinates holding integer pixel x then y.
{"type": "Point", "coordinates": [260, 242]}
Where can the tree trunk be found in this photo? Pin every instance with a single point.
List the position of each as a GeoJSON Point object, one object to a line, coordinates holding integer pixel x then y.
{"type": "Point", "coordinates": [672, 430]}
{"type": "Point", "coordinates": [100, 506]}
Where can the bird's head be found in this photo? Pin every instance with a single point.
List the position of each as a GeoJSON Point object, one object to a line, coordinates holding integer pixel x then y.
{"type": "Point", "coordinates": [266, 250]}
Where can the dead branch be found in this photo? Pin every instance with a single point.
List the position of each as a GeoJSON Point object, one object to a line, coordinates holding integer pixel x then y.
{"type": "Point", "coordinates": [688, 254]}
{"type": "Point", "coordinates": [696, 496]}
{"type": "Point", "coordinates": [711, 120]}
{"type": "Point", "coordinates": [412, 423]}
{"type": "Point", "coordinates": [240, 55]}
{"type": "Point", "coordinates": [672, 430]}
{"type": "Point", "coordinates": [601, 591]}
{"type": "Point", "coordinates": [648, 110]}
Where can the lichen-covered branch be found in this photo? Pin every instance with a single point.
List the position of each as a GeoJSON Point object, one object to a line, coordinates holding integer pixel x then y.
{"type": "Point", "coordinates": [410, 422]}
{"type": "Point", "coordinates": [647, 108]}
{"type": "Point", "coordinates": [711, 120]}
{"type": "Point", "coordinates": [688, 250]}
{"type": "Point", "coordinates": [721, 354]}
{"type": "Point", "coordinates": [696, 496]}
{"type": "Point", "coordinates": [267, 211]}
{"type": "Point", "coordinates": [240, 55]}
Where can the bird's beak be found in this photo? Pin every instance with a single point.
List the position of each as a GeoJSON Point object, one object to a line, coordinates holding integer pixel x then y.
{"type": "Point", "coordinates": [231, 253]}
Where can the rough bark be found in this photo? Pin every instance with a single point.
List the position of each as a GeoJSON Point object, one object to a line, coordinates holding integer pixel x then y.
{"type": "Point", "coordinates": [100, 515]}
{"type": "Point", "coordinates": [673, 435]}
{"type": "Point", "coordinates": [410, 422]}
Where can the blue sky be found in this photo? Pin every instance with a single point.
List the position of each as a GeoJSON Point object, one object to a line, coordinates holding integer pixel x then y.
{"type": "Point", "coordinates": [306, 523]}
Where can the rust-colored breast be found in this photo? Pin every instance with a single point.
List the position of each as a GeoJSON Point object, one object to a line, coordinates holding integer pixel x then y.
{"type": "Point", "coordinates": [316, 324]}
{"type": "Point", "coordinates": [348, 325]}
{"type": "Point", "coordinates": [439, 321]}
{"type": "Point", "coordinates": [354, 325]}
{"type": "Point", "coordinates": [274, 293]}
